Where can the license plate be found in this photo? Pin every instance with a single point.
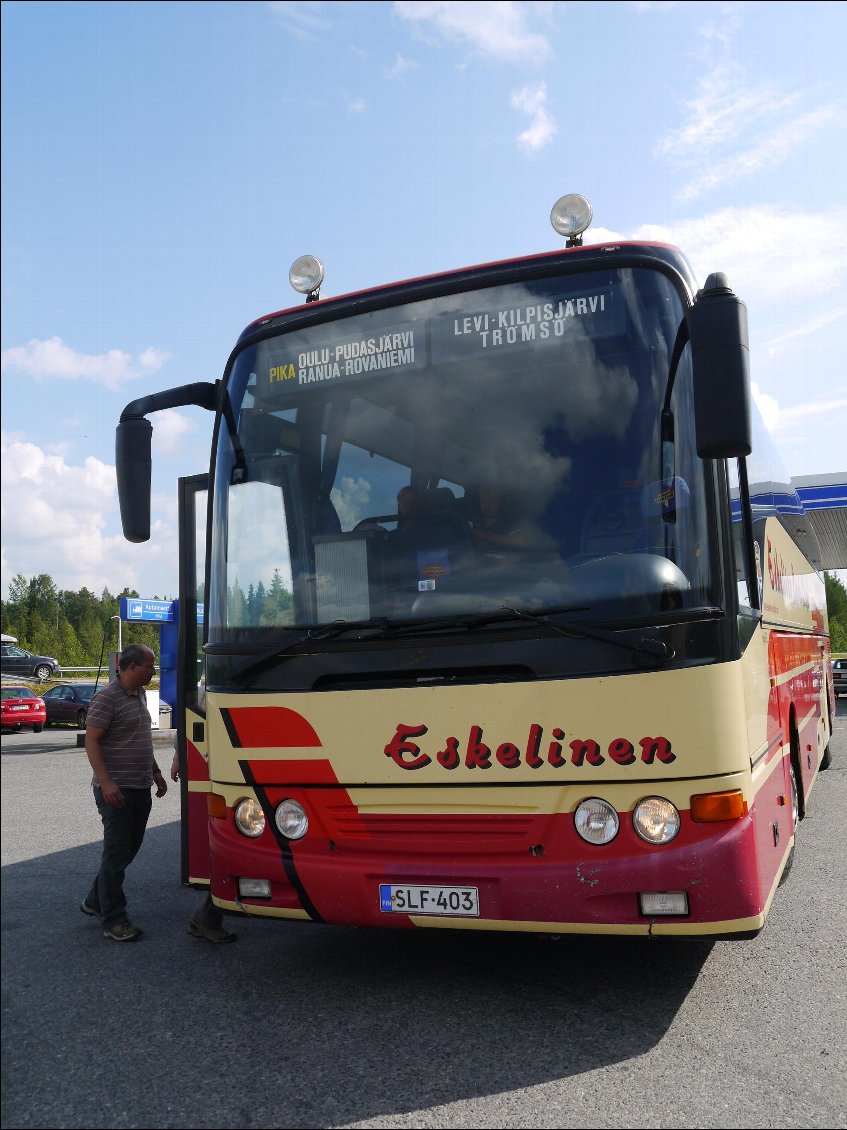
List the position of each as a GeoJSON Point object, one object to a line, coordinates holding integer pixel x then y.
{"type": "Point", "coordinates": [460, 901]}
{"type": "Point", "coordinates": [20, 708]}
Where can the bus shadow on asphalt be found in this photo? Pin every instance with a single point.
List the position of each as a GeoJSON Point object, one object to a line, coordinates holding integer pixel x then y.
{"type": "Point", "coordinates": [297, 1024]}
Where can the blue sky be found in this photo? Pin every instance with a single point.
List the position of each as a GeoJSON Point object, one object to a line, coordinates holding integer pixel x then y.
{"type": "Point", "coordinates": [164, 163]}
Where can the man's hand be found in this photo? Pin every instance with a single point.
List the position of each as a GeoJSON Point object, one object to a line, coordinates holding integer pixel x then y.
{"type": "Point", "coordinates": [160, 783]}
{"type": "Point", "coordinates": [175, 768]}
{"type": "Point", "coordinates": [111, 793]}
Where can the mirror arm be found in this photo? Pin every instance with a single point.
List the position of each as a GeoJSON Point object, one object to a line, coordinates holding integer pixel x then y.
{"type": "Point", "coordinates": [133, 461]}
{"type": "Point", "coordinates": [204, 394]}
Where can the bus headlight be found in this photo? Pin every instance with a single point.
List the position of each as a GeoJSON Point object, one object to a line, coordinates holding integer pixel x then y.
{"type": "Point", "coordinates": [249, 818]}
{"type": "Point", "coordinates": [655, 820]}
{"type": "Point", "coordinates": [596, 821]}
{"type": "Point", "coordinates": [291, 819]}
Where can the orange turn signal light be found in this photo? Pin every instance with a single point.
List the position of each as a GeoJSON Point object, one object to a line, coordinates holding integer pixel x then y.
{"type": "Point", "coordinates": [706, 807]}
{"type": "Point", "coordinates": [216, 805]}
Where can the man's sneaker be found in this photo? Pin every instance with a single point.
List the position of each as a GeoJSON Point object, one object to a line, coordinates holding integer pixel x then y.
{"type": "Point", "coordinates": [86, 909]}
{"type": "Point", "coordinates": [122, 932]}
{"type": "Point", "coordinates": [210, 933]}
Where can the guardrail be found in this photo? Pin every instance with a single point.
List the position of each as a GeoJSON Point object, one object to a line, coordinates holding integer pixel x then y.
{"type": "Point", "coordinates": [62, 671]}
{"type": "Point", "coordinates": [100, 674]}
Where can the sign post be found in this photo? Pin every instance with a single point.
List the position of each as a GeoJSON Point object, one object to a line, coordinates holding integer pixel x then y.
{"type": "Point", "coordinates": [165, 613]}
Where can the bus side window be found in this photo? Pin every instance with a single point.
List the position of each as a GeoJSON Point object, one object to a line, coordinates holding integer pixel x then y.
{"type": "Point", "coordinates": [738, 540]}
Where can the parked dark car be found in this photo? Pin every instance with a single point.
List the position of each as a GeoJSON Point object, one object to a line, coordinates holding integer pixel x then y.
{"type": "Point", "coordinates": [69, 702]}
{"type": "Point", "coordinates": [17, 660]}
{"type": "Point", "coordinates": [21, 707]}
{"type": "Point", "coordinates": [839, 676]}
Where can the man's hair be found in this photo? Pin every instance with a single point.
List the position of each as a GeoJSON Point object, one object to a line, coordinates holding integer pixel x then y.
{"type": "Point", "coordinates": [133, 653]}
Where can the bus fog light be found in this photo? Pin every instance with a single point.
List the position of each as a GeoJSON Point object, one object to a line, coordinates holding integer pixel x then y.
{"type": "Point", "coordinates": [249, 818]}
{"type": "Point", "coordinates": [655, 903]}
{"type": "Point", "coordinates": [306, 274]}
{"type": "Point", "coordinates": [596, 821]}
{"type": "Point", "coordinates": [655, 820]}
{"type": "Point", "coordinates": [570, 216]}
{"type": "Point", "coordinates": [291, 819]}
{"type": "Point", "coordinates": [254, 888]}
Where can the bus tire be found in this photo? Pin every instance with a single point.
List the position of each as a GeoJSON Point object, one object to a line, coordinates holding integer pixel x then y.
{"type": "Point", "coordinates": [795, 817]}
{"type": "Point", "coordinates": [798, 800]}
{"type": "Point", "coordinates": [826, 760]}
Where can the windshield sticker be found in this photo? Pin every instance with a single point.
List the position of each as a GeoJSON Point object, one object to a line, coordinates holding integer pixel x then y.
{"type": "Point", "coordinates": [528, 324]}
{"type": "Point", "coordinates": [334, 353]}
{"type": "Point", "coordinates": [349, 357]}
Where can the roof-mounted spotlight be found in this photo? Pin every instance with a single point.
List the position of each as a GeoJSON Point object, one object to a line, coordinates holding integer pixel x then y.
{"type": "Point", "coordinates": [570, 216]}
{"type": "Point", "coordinates": [306, 276]}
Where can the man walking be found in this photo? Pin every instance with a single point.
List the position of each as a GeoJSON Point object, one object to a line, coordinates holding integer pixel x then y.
{"type": "Point", "coordinates": [119, 744]}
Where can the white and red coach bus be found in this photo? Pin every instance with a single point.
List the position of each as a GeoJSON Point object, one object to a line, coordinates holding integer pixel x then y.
{"type": "Point", "coordinates": [511, 620]}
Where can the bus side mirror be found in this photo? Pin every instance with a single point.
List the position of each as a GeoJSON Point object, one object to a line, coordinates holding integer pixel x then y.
{"type": "Point", "coordinates": [133, 463]}
{"type": "Point", "coordinates": [720, 356]}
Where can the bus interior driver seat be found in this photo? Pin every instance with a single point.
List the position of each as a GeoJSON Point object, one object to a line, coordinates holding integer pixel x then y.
{"type": "Point", "coordinates": [432, 545]}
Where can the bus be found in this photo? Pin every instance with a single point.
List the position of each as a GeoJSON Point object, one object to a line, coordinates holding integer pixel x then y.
{"type": "Point", "coordinates": [509, 618]}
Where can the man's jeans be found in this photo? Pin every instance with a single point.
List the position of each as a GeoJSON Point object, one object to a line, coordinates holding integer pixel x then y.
{"type": "Point", "coordinates": [123, 833]}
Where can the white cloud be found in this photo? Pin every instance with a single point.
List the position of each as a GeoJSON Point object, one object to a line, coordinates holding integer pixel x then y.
{"type": "Point", "coordinates": [799, 429]}
{"type": "Point", "coordinates": [720, 113]}
{"type": "Point", "coordinates": [400, 66]}
{"type": "Point", "coordinates": [771, 253]}
{"type": "Point", "coordinates": [170, 429]}
{"type": "Point", "coordinates": [53, 360]}
{"type": "Point", "coordinates": [303, 19]}
{"type": "Point", "coordinates": [790, 268]}
{"type": "Point", "coordinates": [767, 405]}
{"type": "Point", "coordinates": [532, 101]}
{"type": "Point", "coordinates": [351, 500]}
{"type": "Point", "coordinates": [356, 105]}
{"type": "Point", "coordinates": [803, 416]}
{"type": "Point", "coordinates": [778, 345]}
{"type": "Point", "coordinates": [57, 518]}
{"type": "Point", "coordinates": [495, 30]}
{"type": "Point", "coordinates": [734, 129]}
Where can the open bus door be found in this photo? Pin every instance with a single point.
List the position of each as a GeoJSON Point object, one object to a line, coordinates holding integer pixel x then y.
{"type": "Point", "coordinates": [190, 719]}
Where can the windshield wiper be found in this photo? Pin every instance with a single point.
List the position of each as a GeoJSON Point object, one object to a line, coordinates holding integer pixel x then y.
{"type": "Point", "coordinates": [644, 644]}
{"type": "Point", "coordinates": [324, 632]}
{"type": "Point", "coordinates": [466, 622]}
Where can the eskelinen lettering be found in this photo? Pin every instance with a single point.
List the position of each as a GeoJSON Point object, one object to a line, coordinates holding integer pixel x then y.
{"type": "Point", "coordinates": [477, 753]}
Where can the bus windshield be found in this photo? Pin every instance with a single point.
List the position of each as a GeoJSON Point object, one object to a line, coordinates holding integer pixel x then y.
{"type": "Point", "coordinates": [491, 449]}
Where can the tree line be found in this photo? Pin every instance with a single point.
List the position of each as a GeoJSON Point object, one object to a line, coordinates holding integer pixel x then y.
{"type": "Point", "coordinates": [73, 627]}
{"type": "Point", "coordinates": [836, 603]}
{"type": "Point", "coordinates": [77, 627]}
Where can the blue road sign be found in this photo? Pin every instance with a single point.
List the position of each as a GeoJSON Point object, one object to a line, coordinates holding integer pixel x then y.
{"type": "Point", "coordinates": [135, 609]}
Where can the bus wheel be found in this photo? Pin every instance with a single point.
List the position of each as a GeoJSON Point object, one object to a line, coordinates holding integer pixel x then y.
{"type": "Point", "coordinates": [826, 760]}
{"type": "Point", "coordinates": [795, 820]}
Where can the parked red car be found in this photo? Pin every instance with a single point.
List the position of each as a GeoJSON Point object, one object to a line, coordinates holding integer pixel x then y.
{"type": "Point", "coordinates": [22, 708]}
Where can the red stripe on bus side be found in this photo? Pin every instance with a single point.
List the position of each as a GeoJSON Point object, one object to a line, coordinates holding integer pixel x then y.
{"type": "Point", "coordinates": [286, 773]}
{"type": "Point", "coordinates": [198, 769]}
{"type": "Point", "coordinates": [266, 727]}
